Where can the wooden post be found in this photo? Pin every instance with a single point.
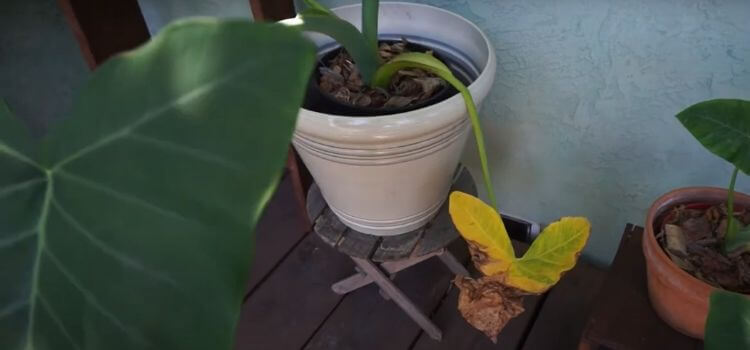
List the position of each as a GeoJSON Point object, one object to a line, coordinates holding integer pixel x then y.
{"type": "Point", "coordinates": [105, 28]}
{"type": "Point", "coordinates": [272, 10]}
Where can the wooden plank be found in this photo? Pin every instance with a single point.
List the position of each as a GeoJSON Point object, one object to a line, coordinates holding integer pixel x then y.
{"type": "Point", "coordinates": [329, 228]}
{"type": "Point", "coordinates": [394, 293]}
{"type": "Point", "coordinates": [287, 308]}
{"type": "Point", "coordinates": [357, 244]}
{"type": "Point", "coordinates": [277, 232]}
{"type": "Point", "coordinates": [458, 334]}
{"type": "Point", "coordinates": [622, 316]}
{"type": "Point", "coordinates": [299, 184]}
{"type": "Point", "coordinates": [105, 28]}
{"type": "Point", "coordinates": [397, 247]}
{"type": "Point", "coordinates": [272, 10]}
{"type": "Point", "coordinates": [365, 320]}
{"type": "Point", "coordinates": [563, 316]}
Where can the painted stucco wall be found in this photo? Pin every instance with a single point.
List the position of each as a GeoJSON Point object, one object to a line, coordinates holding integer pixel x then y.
{"type": "Point", "coordinates": [40, 64]}
{"type": "Point", "coordinates": [581, 118]}
{"type": "Point", "coordinates": [580, 121]}
{"type": "Point", "coordinates": [160, 12]}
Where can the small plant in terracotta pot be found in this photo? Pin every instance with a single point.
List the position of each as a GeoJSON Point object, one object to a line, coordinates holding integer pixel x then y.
{"type": "Point", "coordinates": [697, 242]}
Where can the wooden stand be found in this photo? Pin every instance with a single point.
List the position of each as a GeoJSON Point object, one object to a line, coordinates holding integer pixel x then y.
{"type": "Point", "coordinates": [378, 259]}
{"type": "Point", "coordinates": [622, 316]}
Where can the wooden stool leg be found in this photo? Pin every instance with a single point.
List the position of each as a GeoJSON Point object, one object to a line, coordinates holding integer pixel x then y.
{"type": "Point", "coordinates": [453, 263]}
{"type": "Point", "coordinates": [361, 279]}
{"type": "Point", "coordinates": [351, 283]}
{"type": "Point", "coordinates": [399, 297]}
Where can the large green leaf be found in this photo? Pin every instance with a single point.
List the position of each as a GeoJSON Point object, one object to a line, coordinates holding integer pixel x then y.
{"type": "Point", "coordinates": [728, 322]}
{"type": "Point", "coordinates": [131, 226]}
{"type": "Point", "coordinates": [482, 226]}
{"type": "Point", "coordinates": [554, 252]}
{"type": "Point", "coordinates": [723, 127]}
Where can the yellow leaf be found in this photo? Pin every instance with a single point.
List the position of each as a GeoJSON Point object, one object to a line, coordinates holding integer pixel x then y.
{"type": "Point", "coordinates": [552, 253]}
{"type": "Point", "coordinates": [481, 225]}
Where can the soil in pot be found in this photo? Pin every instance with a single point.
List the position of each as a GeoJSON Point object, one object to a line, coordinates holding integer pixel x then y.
{"type": "Point", "coordinates": [692, 235]}
{"type": "Point", "coordinates": [337, 88]}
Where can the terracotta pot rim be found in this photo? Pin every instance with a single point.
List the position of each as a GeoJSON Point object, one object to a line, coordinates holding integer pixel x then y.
{"type": "Point", "coordinates": [667, 201]}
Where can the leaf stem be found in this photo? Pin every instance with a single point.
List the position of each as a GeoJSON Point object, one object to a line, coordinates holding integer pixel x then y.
{"type": "Point", "coordinates": [19, 156]}
{"type": "Point", "coordinates": [474, 116]}
{"type": "Point", "coordinates": [425, 61]}
{"type": "Point", "coordinates": [477, 127]}
{"type": "Point", "coordinates": [41, 229]}
{"type": "Point", "coordinates": [370, 23]}
{"type": "Point", "coordinates": [731, 226]}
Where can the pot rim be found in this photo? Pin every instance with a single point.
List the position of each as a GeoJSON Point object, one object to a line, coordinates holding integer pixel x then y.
{"type": "Point", "coordinates": [667, 201]}
{"type": "Point", "coordinates": [472, 87]}
{"type": "Point", "coordinates": [422, 124]}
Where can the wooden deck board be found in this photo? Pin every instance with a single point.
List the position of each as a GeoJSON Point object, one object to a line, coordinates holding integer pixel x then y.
{"type": "Point", "coordinates": [622, 316]}
{"type": "Point", "coordinates": [280, 228]}
{"type": "Point", "coordinates": [287, 308]}
{"type": "Point", "coordinates": [365, 320]}
{"type": "Point", "coordinates": [566, 308]}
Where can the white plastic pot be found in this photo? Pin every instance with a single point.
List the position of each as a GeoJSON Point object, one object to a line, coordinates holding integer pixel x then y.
{"type": "Point", "coordinates": [387, 175]}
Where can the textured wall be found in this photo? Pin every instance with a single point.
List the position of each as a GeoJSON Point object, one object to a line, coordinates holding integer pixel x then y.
{"type": "Point", "coordinates": [160, 12]}
{"type": "Point", "coordinates": [581, 119]}
{"type": "Point", "coordinates": [40, 64]}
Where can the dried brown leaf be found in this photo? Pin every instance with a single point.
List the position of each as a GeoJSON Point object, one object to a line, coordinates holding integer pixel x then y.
{"type": "Point", "coordinates": [429, 85]}
{"type": "Point", "coordinates": [397, 101]}
{"type": "Point", "coordinates": [487, 304]}
{"type": "Point", "coordinates": [696, 228]}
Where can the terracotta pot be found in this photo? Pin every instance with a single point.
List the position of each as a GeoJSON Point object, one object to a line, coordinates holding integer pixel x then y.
{"type": "Point", "coordinates": [680, 299]}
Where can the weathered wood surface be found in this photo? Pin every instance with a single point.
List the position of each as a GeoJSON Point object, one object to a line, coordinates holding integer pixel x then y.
{"type": "Point", "coordinates": [290, 305]}
{"type": "Point", "coordinates": [391, 291]}
{"type": "Point", "coordinates": [105, 28]}
{"type": "Point", "coordinates": [437, 234]}
{"type": "Point", "coordinates": [364, 320]}
{"type": "Point", "coordinates": [622, 316]}
{"type": "Point", "coordinates": [279, 230]}
{"type": "Point", "coordinates": [566, 308]}
{"type": "Point", "coordinates": [272, 10]}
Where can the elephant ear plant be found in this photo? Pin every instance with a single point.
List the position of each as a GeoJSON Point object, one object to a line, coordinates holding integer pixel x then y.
{"type": "Point", "coordinates": [723, 127]}
{"type": "Point", "coordinates": [129, 226]}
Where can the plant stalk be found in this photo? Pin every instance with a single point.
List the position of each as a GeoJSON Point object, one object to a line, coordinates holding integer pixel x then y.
{"type": "Point", "coordinates": [731, 226]}
{"type": "Point", "coordinates": [476, 126]}
{"type": "Point", "coordinates": [370, 23]}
